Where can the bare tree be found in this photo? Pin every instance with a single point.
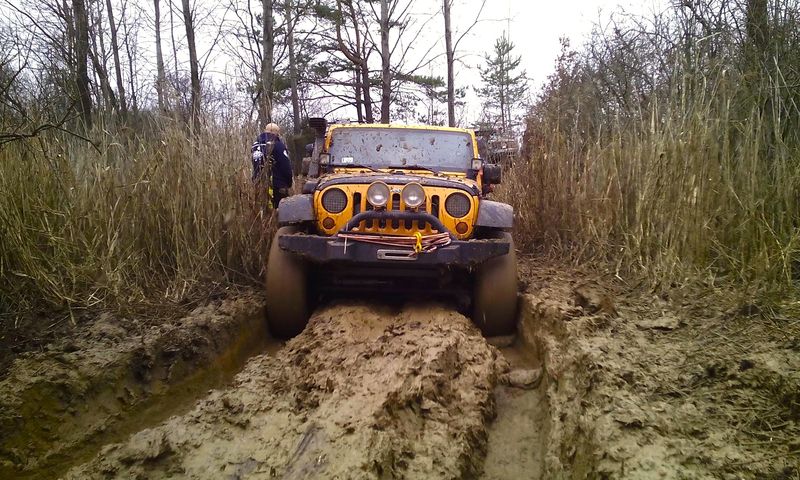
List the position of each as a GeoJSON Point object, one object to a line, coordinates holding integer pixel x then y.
{"type": "Point", "coordinates": [267, 62]}
{"type": "Point", "coordinates": [130, 29]}
{"type": "Point", "coordinates": [161, 76]}
{"type": "Point", "coordinates": [123, 107]}
{"type": "Point", "coordinates": [97, 55]}
{"type": "Point", "coordinates": [81, 42]}
{"type": "Point", "coordinates": [386, 63]}
{"type": "Point", "coordinates": [448, 42]}
{"type": "Point", "coordinates": [194, 67]}
{"type": "Point", "coordinates": [358, 54]}
{"type": "Point", "coordinates": [450, 51]}
{"type": "Point", "coordinates": [290, 22]}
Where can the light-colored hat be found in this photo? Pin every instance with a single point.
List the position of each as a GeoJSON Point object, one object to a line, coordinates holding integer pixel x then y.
{"type": "Point", "coordinates": [272, 128]}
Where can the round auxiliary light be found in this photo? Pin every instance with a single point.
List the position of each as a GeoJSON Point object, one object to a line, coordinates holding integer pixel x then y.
{"type": "Point", "coordinates": [413, 195]}
{"type": "Point", "coordinates": [378, 194]}
{"type": "Point", "coordinates": [457, 205]}
{"type": "Point", "coordinates": [334, 200]}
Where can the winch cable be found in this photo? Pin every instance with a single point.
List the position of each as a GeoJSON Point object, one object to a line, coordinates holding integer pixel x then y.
{"type": "Point", "coordinates": [418, 243]}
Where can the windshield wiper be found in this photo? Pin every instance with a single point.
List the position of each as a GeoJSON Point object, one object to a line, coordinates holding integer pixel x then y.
{"type": "Point", "coordinates": [416, 167]}
{"type": "Point", "coordinates": [357, 165]}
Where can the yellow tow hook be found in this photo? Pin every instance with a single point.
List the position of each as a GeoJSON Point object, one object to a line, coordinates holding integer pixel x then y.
{"type": "Point", "coordinates": [418, 245]}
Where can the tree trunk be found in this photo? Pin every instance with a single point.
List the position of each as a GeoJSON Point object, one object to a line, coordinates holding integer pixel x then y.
{"type": "Point", "coordinates": [123, 107]}
{"type": "Point", "coordinates": [292, 68]}
{"type": "Point", "coordinates": [504, 81]}
{"type": "Point", "coordinates": [386, 76]}
{"type": "Point", "coordinates": [175, 86]}
{"type": "Point", "coordinates": [366, 86]}
{"type": "Point", "coordinates": [105, 86]}
{"type": "Point", "coordinates": [363, 65]}
{"type": "Point", "coordinates": [194, 68]}
{"type": "Point", "coordinates": [81, 58]}
{"type": "Point", "coordinates": [131, 71]}
{"type": "Point", "coordinates": [448, 42]}
{"type": "Point", "coordinates": [267, 59]}
{"type": "Point", "coordinates": [161, 76]}
{"type": "Point", "coordinates": [758, 32]}
{"type": "Point", "coordinates": [357, 93]}
{"type": "Point", "coordinates": [97, 55]}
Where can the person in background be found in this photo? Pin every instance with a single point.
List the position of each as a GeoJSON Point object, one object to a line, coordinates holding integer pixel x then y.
{"type": "Point", "coordinates": [269, 148]}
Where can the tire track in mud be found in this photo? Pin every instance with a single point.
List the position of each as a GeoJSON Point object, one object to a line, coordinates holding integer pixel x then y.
{"type": "Point", "coordinates": [59, 407]}
{"type": "Point", "coordinates": [363, 392]}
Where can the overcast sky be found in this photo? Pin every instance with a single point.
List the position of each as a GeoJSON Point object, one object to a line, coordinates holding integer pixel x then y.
{"type": "Point", "coordinates": [534, 27]}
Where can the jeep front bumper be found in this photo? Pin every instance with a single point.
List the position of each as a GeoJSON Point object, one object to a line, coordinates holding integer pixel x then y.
{"type": "Point", "coordinates": [323, 249]}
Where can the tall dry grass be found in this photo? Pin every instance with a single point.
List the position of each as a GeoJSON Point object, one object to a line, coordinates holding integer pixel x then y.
{"type": "Point", "coordinates": [136, 222]}
{"type": "Point", "coordinates": [696, 173]}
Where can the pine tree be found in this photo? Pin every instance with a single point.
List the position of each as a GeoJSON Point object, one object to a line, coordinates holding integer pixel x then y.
{"type": "Point", "coordinates": [503, 87]}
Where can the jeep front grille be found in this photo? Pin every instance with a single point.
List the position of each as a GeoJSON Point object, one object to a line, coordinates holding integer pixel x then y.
{"type": "Point", "coordinates": [399, 227]}
{"type": "Point", "coordinates": [434, 204]}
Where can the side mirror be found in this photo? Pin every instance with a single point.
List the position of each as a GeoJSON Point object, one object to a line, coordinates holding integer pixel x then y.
{"type": "Point", "coordinates": [492, 174]}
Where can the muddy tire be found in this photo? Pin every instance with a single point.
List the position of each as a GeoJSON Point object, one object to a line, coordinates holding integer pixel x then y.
{"type": "Point", "coordinates": [494, 304]}
{"type": "Point", "coordinates": [287, 290]}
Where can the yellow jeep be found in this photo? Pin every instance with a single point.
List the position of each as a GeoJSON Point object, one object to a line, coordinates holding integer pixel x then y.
{"type": "Point", "coordinates": [394, 210]}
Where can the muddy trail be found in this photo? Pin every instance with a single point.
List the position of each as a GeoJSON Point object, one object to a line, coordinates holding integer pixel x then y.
{"type": "Point", "coordinates": [110, 377]}
{"type": "Point", "coordinates": [602, 380]}
{"type": "Point", "coordinates": [363, 392]}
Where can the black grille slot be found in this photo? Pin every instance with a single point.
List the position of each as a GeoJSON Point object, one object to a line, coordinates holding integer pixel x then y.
{"type": "Point", "coordinates": [396, 202]}
{"type": "Point", "coordinates": [356, 204]}
{"type": "Point", "coordinates": [435, 206]}
{"type": "Point", "coordinates": [369, 223]}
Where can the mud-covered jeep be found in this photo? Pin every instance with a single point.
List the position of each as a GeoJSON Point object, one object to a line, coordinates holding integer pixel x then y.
{"type": "Point", "coordinates": [392, 210]}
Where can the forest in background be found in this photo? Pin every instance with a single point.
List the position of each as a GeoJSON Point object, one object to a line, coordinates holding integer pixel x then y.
{"type": "Point", "coordinates": [665, 145]}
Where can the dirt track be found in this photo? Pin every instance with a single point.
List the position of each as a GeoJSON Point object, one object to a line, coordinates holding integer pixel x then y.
{"type": "Point", "coordinates": [362, 393]}
{"type": "Point", "coordinates": [599, 382]}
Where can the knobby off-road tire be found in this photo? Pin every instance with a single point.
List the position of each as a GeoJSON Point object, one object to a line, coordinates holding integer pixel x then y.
{"type": "Point", "coordinates": [495, 292]}
{"type": "Point", "coordinates": [287, 289]}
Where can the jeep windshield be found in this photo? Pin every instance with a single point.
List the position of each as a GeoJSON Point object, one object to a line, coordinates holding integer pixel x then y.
{"type": "Point", "coordinates": [417, 149]}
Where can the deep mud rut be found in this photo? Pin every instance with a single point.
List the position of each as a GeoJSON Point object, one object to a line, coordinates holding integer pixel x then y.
{"type": "Point", "coordinates": [601, 381]}
{"type": "Point", "coordinates": [363, 392]}
{"type": "Point", "coordinates": [99, 385]}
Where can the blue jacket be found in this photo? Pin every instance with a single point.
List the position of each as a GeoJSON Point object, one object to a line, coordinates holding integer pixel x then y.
{"type": "Point", "coordinates": [269, 147]}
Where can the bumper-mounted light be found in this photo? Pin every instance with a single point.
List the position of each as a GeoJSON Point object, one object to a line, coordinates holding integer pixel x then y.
{"type": "Point", "coordinates": [413, 195]}
{"type": "Point", "coordinates": [378, 194]}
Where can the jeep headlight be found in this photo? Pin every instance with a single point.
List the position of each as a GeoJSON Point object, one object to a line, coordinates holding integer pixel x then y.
{"type": "Point", "coordinates": [378, 194]}
{"type": "Point", "coordinates": [457, 205]}
{"type": "Point", "coordinates": [413, 195]}
{"type": "Point", "coordinates": [334, 200]}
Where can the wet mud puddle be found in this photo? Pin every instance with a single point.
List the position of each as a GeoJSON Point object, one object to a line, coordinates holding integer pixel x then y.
{"type": "Point", "coordinates": [518, 433]}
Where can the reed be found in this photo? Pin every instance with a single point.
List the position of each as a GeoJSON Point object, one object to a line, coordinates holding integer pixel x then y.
{"type": "Point", "coordinates": [136, 221]}
{"type": "Point", "coordinates": [697, 173]}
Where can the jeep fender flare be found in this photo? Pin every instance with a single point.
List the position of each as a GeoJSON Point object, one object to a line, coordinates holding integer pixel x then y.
{"type": "Point", "coordinates": [495, 215]}
{"type": "Point", "coordinates": [296, 209]}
